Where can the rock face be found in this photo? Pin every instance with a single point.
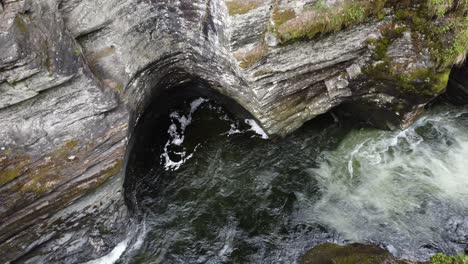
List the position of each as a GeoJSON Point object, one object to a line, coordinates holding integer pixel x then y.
{"type": "Point", "coordinates": [63, 134]}
{"type": "Point", "coordinates": [76, 75]}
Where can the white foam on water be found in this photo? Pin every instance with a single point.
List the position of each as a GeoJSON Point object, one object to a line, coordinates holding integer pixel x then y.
{"type": "Point", "coordinates": [256, 128]}
{"type": "Point", "coordinates": [234, 130]}
{"type": "Point", "coordinates": [176, 132]}
{"type": "Point", "coordinates": [379, 182]}
{"type": "Point", "coordinates": [114, 255]}
{"type": "Point", "coordinates": [143, 231]}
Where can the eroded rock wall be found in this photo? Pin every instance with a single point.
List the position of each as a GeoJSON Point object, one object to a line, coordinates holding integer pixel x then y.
{"type": "Point", "coordinates": [63, 135]}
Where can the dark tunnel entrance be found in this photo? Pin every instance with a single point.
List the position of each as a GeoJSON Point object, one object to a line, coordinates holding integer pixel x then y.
{"type": "Point", "coordinates": [457, 89]}
{"type": "Point", "coordinates": [176, 122]}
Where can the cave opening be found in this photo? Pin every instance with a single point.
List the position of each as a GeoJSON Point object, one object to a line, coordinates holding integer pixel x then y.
{"type": "Point", "coordinates": [457, 89]}
{"type": "Point", "coordinates": [181, 104]}
{"type": "Point", "coordinates": [245, 200]}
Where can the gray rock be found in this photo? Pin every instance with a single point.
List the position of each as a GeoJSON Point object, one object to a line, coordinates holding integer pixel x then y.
{"type": "Point", "coordinates": [457, 229]}
{"type": "Point", "coordinates": [354, 71]}
{"type": "Point", "coordinates": [337, 87]}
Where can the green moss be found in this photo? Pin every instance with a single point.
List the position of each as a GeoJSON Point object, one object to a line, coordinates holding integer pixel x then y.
{"type": "Point", "coordinates": [354, 14]}
{"type": "Point", "coordinates": [46, 174]}
{"type": "Point", "coordinates": [42, 179]}
{"type": "Point", "coordinates": [439, 7]}
{"type": "Point", "coordinates": [77, 52]}
{"type": "Point", "coordinates": [377, 7]}
{"type": "Point", "coordinates": [367, 254]}
{"type": "Point", "coordinates": [350, 254]}
{"type": "Point", "coordinates": [48, 60]}
{"type": "Point", "coordinates": [250, 58]}
{"type": "Point", "coordinates": [71, 144]}
{"type": "Point", "coordinates": [445, 37]}
{"type": "Point", "coordinates": [239, 7]}
{"type": "Point", "coordinates": [423, 81]}
{"type": "Point", "coordinates": [445, 26]}
{"type": "Point", "coordinates": [381, 47]}
{"type": "Point", "coordinates": [21, 24]}
{"type": "Point", "coordinates": [320, 5]}
{"type": "Point", "coordinates": [12, 166]}
{"type": "Point", "coordinates": [400, 106]}
{"type": "Point", "coordinates": [322, 19]}
{"type": "Point", "coordinates": [447, 51]}
{"type": "Point", "coordinates": [64, 151]}
{"type": "Point", "coordinates": [279, 17]}
{"type": "Point", "coordinates": [9, 174]}
{"type": "Point", "coordinates": [459, 49]}
{"type": "Point", "coordinates": [104, 230]}
{"type": "Point", "coordinates": [444, 259]}
{"type": "Point", "coordinates": [119, 87]}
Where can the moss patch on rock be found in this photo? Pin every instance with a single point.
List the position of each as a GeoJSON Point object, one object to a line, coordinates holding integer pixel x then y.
{"type": "Point", "coordinates": [12, 166]}
{"type": "Point", "coordinates": [444, 23]}
{"type": "Point", "coordinates": [367, 254]}
{"type": "Point", "coordinates": [239, 7]}
{"type": "Point", "coordinates": [426, 82]}
{"type": "Point", "coordinates": [444, 259]}
{"type": "Point", "coordinates": [323, 19]}
{"type": "Point", "coordinates": [46, 173]}
{"type": "Point", "coordinates": [249, 58]}
{"type": "Point", "coordinates": [21, 24]}
{"type": "Point", "coordinates": [279, 16]}
{"type": "Point", "coordinates": [438, 27]}
{"type": "Point", "coordinates": [350, 254]}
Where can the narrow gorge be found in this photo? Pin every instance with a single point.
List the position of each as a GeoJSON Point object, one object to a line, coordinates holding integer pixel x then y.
{"type": "Point", "coordinates": [233, 131]}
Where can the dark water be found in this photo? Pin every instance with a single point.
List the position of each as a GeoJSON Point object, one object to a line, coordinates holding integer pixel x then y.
{"type": "Point", "coordinates": [232, 197]}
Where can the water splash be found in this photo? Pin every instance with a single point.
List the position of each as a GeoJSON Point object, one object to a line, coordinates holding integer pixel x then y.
{"type": "Point", "coordinates": [384, 186]}
{"type": "Point", "coordinates": [176, 132]}
{"type": "Point", "coordinates": [256, 128]}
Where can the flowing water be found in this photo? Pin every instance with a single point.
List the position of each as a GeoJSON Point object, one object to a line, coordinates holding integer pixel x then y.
{"type": "Point", "coordinates": [235, 197]}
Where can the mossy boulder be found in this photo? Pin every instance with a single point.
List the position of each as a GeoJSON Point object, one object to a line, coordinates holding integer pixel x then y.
{"type": "Point", "coordinates": [350, 254]}
{"type": "Point", "coordinates": [330, 253]}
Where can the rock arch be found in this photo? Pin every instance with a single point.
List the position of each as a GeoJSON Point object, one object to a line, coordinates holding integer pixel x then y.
{"type": "Point", "coordinates": [150, 124]}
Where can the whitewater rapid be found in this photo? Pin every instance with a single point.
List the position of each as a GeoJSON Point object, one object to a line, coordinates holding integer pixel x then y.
{"type": "Point", "coordinates": [235, 197]}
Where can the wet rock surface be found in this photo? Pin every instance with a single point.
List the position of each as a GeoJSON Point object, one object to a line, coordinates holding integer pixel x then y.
{"type": "Point", "coordinates": [76, 76]}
